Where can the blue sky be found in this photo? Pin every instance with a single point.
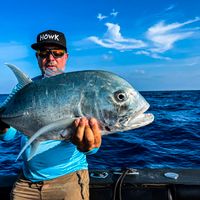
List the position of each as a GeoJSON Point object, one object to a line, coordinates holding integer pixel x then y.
{"type": "Point", "coordinates": [155, 44]}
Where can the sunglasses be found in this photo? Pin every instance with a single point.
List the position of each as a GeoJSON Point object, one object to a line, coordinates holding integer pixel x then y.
{"type": "Point", "coordinates": [56, 53]}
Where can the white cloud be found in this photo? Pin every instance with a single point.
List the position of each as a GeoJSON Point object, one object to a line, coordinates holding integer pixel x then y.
{"type": "Point", "coordinates": [193, 61]}
{"type": "Point", "coordinates": [107, 57]}
{"type": "Point", "coordinates": [157, 56]}
{"type": "Point", "coordinates": [139, 71]}
{"type": "Point", "coordinates": [161, 28]}
{"type": "Point", "coordinates": [170, 7]}
{"type": "Point", "coordinates": [114, 13]}
{"type": "Point", "coordinates": [152, 55]}
{"type": "Point", "coordinates": [165, 42]}
{"type": "Point", "coordinates": [113, 32]}
{"type": "Point", "coordinates": [143, 52]}
{"type": "Point", "coordinates": [163, 36]}
{"type": "Point", "coordinates": [158, 39]}
{"type": "Point", "coordinates": [101, 17]}
{"type": "Point", "coordinates": [114, 40]}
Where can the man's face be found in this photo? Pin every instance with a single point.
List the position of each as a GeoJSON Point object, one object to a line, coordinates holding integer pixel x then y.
{"type": "Point", "coordinates": [51, 58]}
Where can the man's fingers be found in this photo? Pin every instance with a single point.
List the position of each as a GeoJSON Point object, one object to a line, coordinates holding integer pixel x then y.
{"type": "Point", "coordinates": [88, 138]}
{"type": "Point", "coordinates": [96, 132]}
{"type": "Point", "coordinates": [80, 124]}
{"type": "Point", "coordinates": [76, 122]}
{"type": "Point", "coordinates": [87, 135]}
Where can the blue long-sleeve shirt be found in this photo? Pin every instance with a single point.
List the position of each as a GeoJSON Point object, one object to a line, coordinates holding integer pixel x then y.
{"type": "Point", "coordinates": [53, 158]}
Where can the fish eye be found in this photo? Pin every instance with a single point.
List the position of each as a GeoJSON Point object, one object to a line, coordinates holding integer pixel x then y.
{"type": "Point", "coordinates": [120, 96]}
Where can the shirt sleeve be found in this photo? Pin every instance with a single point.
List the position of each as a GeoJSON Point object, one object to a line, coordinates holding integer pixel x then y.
{"type": "Point", "coordinates": [9, 135]}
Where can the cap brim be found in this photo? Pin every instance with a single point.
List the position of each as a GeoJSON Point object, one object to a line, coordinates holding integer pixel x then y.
{"type": "Point", "coordinates": [37, 46]}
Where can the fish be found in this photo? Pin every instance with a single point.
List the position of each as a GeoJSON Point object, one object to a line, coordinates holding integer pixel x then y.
{"type": "Point", "coordinates": [45, 109]}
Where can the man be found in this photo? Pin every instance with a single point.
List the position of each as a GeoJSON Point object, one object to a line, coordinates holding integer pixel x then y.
{"type": "Point", "coordinates": [61, 171]}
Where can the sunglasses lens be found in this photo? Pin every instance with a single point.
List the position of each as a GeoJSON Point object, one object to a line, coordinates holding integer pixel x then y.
{"type": "Point", "coordinates": [43, 54]}
{"type": "Point", "coordinates": [56, 53]}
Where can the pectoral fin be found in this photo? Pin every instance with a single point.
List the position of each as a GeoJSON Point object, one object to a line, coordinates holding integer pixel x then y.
{"type": "Point", "coordinates": [33, 151]}
{"type": "Point", "coordinates": [58, 125]}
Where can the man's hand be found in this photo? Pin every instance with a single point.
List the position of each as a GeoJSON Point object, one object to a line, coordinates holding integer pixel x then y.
{"type": "Point", "coordinates": [3, 127]}
{"type": "Point", "coordinates": [87, 135]}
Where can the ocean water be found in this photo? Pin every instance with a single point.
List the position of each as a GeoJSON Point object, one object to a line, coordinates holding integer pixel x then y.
{"type": "Point", "coordinates": [171, 141]}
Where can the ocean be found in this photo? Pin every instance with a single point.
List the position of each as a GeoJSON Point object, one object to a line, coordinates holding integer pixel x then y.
{"type": "Point", "coordinates": [171, 141]}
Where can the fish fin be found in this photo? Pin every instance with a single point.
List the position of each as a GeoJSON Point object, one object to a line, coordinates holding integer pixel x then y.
{"type": "Point", "coordinates": [14, 91]}
{"type": "Point", "coordinates": [55, 126]}
{"type": "Point", "coordinates": [22, 78]}
{"type": "Point", "coordinates": [34, 147]}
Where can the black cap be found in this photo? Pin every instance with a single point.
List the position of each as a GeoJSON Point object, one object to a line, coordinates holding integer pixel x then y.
{"type": "Point", "coordinates": [50, 37]}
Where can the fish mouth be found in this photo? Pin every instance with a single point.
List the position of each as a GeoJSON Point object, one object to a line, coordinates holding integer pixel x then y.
{"type": "Point", "coordinates": [131, 121]}
{"type": "Point", "coordinates": [140, 118]}
{"type": "Point", "coordinates": [136, 120]}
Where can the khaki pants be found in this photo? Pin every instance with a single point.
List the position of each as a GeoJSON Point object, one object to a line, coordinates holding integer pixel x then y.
{"type": "Point", "coordinates": [74, 186]}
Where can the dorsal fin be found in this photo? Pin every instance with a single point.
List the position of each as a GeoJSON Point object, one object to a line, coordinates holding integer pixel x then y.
{"type": "Point", "coordinates": [22, 78]}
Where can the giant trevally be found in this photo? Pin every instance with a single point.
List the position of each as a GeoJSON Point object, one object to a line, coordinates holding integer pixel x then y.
{"type": "Point", "coordinates": [45, 109]}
